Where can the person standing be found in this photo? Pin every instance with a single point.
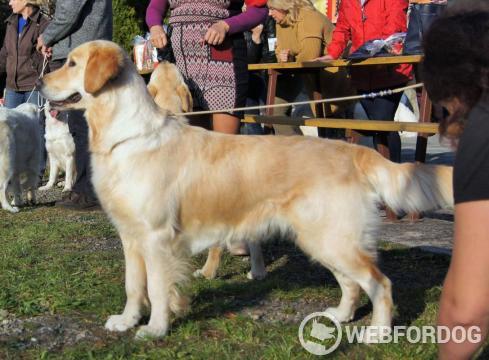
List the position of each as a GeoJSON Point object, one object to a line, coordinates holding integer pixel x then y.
{"type": "Point", "coordinates": [210, 51]}
{"type": "Point", "coordinates": [20, 63]}
{"type": "Point", "coordinates": [76, 22]}
{"type": "Point", "coordinates": [456, 75]}
{"type": "Point", "coordinates": [358, 22]}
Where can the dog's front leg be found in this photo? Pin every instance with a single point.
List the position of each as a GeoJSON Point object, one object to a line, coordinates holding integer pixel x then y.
{"type": "Point", "coordinates": [53, 174]}
{"type": "Point", "coordinates": [16, 190]}
{"type": "Point", "coordinates": [69, 174]}
{"type": "Point", "coordinates": [159, 261]}
{"type": "Point", "coordinates": [135, 289]}
{"type": "Point", "coordinates": [3, 198]}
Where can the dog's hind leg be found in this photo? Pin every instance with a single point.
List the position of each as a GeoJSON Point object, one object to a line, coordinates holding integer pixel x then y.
{"type": "Point", "coordinates": [135, 289]}
{"type": "Point", "coordinates": [3, 198]}
{"type": "Point", "coordinates": [351, 264]}
{"type": "Point", "coordinates": [209, 270]}
{"type": "Point", "coordinates": [350, 295]}
{"type": "Point", "coordinates": [258, 271]}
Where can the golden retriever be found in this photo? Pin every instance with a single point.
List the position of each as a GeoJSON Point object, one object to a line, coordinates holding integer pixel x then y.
{"type": "Point", "coordinates": [173, 190]}
{"type": "Point", "coordinates": [169, 90]}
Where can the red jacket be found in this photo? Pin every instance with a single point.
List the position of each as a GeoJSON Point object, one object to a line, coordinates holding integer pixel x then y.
{"type": "Point", "coordinates": [377, 19]}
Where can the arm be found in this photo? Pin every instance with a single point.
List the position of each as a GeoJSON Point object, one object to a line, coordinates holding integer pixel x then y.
{"type": "Point", "coordinates": [341, 34]}
{"type": "Point", "coordinates": [396, 17]}
{"type": "Point", "coordinates": [311, 29]}
{"type": "Point", "coordinates": [3, 61]}
{"type": "Point", "coordinates": [155, 12]}
{"type": "Point", "coordinates": [466, 288]}
{"type": "Point", "coordinates": [247, 20]}
{"type": "Point", "coordinates": [235, 24]}
{"type": "Point", "coordinates": [66, 16]}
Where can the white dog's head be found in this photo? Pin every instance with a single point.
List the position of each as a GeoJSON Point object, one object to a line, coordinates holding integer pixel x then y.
{"type": "Point", "coordinates": [88, 69]}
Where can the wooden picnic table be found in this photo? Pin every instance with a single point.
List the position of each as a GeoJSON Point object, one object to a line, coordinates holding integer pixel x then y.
{"type": "Point", "coordinates": [423, 128]}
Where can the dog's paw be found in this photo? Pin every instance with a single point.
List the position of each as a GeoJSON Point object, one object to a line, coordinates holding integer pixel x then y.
{"type": "Point", "coordinates": [44, 188]}
{"type": "Point", "coordinates": [341, 316]}
{"type": "Point", "coordinates": [120, 323]}
{"type": "Point", "coordinates": [147, 332]}
{"type": "Point", "coordinates": [12, 209]}
{"type": "Point", "coordinates": [256, 276]}
{"type": "Point", "coordinates": [200, 273]}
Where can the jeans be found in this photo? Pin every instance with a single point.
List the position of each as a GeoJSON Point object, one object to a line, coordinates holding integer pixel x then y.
{"type": "Point", "coordinates": [384, 108]}
{"type": "Point", "coordinates": [14, 99]}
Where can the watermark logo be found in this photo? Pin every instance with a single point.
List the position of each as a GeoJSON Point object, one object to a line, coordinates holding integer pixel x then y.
{"type": "Point", "coordinates": [320, 334]}
{"type": "Point", "coordinates": [324, 327]}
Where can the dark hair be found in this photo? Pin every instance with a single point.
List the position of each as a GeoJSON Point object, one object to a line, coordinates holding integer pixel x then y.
{"type": "Point", "coordinates": [456, 63]}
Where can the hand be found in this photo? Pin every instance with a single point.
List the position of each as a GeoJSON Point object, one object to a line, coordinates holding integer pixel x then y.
{"type": "Point", "coordinates": [216, 33]}
{"type": "Point", "coordinates": [256, 34]}
{"type": "Point", "coordinates": [2, 101]}
{"type": "Point", "coordinates": [42, 48]}
{"type": "Point", "coordinates": [283, 55]}
{"type": "Point", "coordinates": [324, 58]}
{"type": "Point", "coordinates": [158, 36]}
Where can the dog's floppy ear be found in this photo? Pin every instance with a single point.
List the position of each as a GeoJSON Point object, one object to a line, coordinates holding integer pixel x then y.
{"type": "Point", "coordinates": [153, 90]}
{"type": "Point", "coordinates": [185, 98]}
{"type": "Point", "coordinates": [104, 64]}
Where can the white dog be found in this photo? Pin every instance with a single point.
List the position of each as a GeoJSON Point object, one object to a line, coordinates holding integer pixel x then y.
{"type": "Point", "coordinates": [61, 151]}
{"type": "Point", "coordinates": [20, 154]}
{"type": "Point", "coordinates": [173, 190]}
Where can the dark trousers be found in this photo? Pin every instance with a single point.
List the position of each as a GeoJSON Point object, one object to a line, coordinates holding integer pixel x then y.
{"type": "Point", "coordinates": [79, 130]}
{"type": "Point", "coordinates": [384, 108]}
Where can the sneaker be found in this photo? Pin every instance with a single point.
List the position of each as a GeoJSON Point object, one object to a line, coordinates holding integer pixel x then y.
{"type": "Point", "coordinates": [78, 201]}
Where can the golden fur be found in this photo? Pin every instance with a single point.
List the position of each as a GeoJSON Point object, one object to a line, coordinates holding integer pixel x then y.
{"type": "Point", "coordinates": [173, 190]}
{"type": "Point", "coordinates": [169, 90]}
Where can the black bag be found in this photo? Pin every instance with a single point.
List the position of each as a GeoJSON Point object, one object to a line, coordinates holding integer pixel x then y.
{"type": "Point", "coordinates": [166, 53]}
{"type": "Point", "coordinates": [421, 17]}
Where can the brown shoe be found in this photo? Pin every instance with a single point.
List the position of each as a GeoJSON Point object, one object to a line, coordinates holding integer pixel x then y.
{"type": "Point", "coordinates": [78, 201]}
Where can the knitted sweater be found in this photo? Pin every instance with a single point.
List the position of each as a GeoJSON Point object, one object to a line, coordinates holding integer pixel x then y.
{"type": "Point", "coordinates": [255, 15]}
{"type": "Point", "coordinates": [307, 37]}
{"type": "Point", "coordinates": [76, 22]}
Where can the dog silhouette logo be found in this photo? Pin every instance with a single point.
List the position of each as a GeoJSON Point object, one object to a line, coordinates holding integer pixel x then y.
{"type": "Point", "coordinates": [319, 333]}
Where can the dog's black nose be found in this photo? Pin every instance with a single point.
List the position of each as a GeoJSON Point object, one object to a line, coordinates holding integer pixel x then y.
{"type": "Point", "coordinates": [38, 84]}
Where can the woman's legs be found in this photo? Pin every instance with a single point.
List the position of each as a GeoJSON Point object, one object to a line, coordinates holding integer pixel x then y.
{"type": "Point", "coordinates": [225, 123]}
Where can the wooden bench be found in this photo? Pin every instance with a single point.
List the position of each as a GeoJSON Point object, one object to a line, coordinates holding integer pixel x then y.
{"type": "Point", "coordinates": [424, 127]}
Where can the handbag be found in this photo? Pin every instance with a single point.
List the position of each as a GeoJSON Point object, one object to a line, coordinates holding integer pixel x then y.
{"type": "Point", "coordinates": [421, 16]}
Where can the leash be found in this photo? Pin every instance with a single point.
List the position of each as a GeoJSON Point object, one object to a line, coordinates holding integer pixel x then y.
{"type": "Point", "coordinates": [322, 101]}
{"type": "Point", "coordinates": [40, 103]}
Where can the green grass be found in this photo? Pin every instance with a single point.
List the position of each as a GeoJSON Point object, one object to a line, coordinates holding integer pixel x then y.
{"type": "Point", "coordinates": [68, 265]}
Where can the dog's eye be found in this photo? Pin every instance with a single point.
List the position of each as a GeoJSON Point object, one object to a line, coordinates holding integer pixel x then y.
{"type": "Point", "coordinates": [71, 63]}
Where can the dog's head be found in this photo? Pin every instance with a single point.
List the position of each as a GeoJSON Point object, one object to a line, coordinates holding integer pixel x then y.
{"type": "Point", "coordinates": [88, 69]}
{"type": "Point", "coordinates": [168, 89]}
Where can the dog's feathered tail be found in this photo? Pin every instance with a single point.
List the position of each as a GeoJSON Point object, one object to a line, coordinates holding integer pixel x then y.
{"type": "Point", "coordinates": [409, 187]}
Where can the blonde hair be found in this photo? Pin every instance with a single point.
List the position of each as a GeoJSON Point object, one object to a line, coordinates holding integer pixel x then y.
{"type": "Point", "coordinates": [37, 3]}
{"type": "Point", "coordinates": [293, 7]}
